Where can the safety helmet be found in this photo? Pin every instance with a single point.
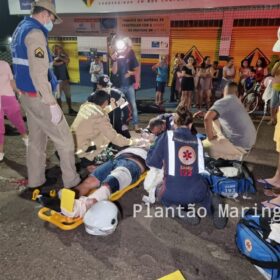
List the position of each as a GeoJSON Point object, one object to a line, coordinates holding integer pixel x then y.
{"type": "Point", "coordinates": [104, 81]}
{"type": "Point", "coordinates": [101, 218]}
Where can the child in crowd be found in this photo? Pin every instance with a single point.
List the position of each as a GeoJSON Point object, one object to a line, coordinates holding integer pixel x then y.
{"type": "Point", "coordinates": [161, 69]}
{"type": "Point", "coordinates": [250, 81]}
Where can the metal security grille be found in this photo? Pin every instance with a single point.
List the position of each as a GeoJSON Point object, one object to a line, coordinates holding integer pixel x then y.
{"type": "Point", "coordinates": [257, 22]}
{"type": "Point", "coordinates": [252, 41]}
{"type": "Point", "coordinates": [198, 41]}
{"type": "Point", "coordinates": [6, 55]}
{"type": "Point", "coordinates": [195, 23]}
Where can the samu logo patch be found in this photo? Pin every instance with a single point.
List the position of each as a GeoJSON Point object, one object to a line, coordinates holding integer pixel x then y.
{"type": "Point", "coordinates": [187, 155]}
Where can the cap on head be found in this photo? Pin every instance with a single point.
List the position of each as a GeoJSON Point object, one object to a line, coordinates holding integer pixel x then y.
{"type": "Point", "coordinates": [49, 6]}
{"type": "Point", "coordinates": [104, 81]}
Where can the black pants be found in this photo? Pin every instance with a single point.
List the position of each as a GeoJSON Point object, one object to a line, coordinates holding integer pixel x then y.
{"type": "Point", "coordinates": [94, 86]}
{"type": "Point", "coordinates": [117, 119]}
{"type": "Point", "coordinates": [173, 92]}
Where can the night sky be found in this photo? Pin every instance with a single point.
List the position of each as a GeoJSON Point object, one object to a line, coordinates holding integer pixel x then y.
{"type": "Point", "coordinates": [8, 23]}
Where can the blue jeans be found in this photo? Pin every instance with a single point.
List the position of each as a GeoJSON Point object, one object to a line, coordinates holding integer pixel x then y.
{"type": "Point", "coordinates": [129, 93]}
{"type": "Point", "coordinates": [102, 172]}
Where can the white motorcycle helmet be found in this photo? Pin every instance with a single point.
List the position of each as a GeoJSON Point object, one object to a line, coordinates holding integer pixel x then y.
{"type": "Point", "coordinates": [101, 218]}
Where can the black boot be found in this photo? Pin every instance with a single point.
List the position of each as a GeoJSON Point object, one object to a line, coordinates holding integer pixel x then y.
{"type": "Point", "coordinates": [218, 206]}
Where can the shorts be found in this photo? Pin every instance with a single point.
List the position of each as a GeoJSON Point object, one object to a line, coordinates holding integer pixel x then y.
{"type": "Point", "coordinates": [276, 137]}
{"type": "Point", "coordinates": [102, 172]}
{"type": "Point", "coordinates": [187, 84]}
{"type": "Point", "coordinates": [160, 86]}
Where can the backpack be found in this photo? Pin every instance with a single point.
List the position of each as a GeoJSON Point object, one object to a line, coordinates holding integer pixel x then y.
{"type": "Point", "coordinates": [228, 178]}
{"type": "Point", "coordinates": [148, 106]}
{"type": "Point", "coordinates": [252, 242]}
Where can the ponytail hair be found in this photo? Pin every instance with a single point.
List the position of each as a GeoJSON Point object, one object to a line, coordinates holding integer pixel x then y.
{"type": "Point", "coordinates": [184, 116]}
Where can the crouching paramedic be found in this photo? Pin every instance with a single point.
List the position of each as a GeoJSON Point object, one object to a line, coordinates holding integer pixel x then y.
{"type": "Point", "coordinates": [92, 130]}
{"type": "Point", "coordinates": [110, 177]}
{"type": "Point", "coordinates": [180, 153]}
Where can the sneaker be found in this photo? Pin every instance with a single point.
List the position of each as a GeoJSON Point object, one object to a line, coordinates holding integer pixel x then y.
{"type": "Point", "coordinates": [49, 202]}
{"type": "Point", "coordinates": [29, 193]}
{"type": "Point", "coordinates": [45, 189]}
{"type": "Point", "coordinates": [25, 141]}
{"type": "Point", "coordinates": [189, 219]}
{"type": "Point", "coordinates": [219, 222]}
{"type": "Point", "coordinates": [2, 156]}
{"type": "Point", "coordinates": [186, 217]}
{"type": "Point", "coordinates": [72, 112]}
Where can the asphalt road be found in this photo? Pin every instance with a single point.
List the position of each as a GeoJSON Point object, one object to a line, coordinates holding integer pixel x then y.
{"type": "Point", "coordinates": [141, 248]}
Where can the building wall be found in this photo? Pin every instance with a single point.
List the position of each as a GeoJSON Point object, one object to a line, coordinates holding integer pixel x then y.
{"type": "Point", "coordinates": [263, 21]}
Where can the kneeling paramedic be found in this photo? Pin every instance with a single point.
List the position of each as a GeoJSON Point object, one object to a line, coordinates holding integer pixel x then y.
{"type": "Point", "coordinates": [180, 153]}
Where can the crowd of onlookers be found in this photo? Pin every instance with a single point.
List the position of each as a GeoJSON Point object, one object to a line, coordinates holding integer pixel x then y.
{"type": "Point", "coordinates": [201, 84]}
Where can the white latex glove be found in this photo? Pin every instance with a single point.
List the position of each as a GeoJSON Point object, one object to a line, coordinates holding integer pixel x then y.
{"type": "Point", "coordinates": [121, 103]}
{"type": "Point", "coordinates": [147, 135]}
{"type": "Point", "coordinates": [142, 143]}
{"type": "Point", "coordinates": [153, 180]}
{"type": "Point", "coordinates": [56, 114]}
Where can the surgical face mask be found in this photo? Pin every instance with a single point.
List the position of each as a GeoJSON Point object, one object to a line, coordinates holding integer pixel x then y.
{"type": "Point", "coordinates": [49, 26]}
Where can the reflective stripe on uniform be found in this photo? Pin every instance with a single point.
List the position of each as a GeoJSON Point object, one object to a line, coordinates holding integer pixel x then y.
{"type": "Point", "coordinates": [200, 156]}
{"type": "Point", "coordinates": [20, 61]}
{"type": "Point", "coordinates": [171, 153]}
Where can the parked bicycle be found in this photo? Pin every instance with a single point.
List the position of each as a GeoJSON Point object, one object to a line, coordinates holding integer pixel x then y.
{"type": "Point", "coordinates": [252, 100]}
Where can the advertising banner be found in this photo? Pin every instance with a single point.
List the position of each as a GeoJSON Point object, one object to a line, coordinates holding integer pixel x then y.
{"type": "Point", "coordinates": [155, 45]}
{"type": "Point", "coordinates": [106, 6]}
{"type": "Point", "coordinates": [144, 25]}
{"type": "Point", "coordinates": [25, 5]}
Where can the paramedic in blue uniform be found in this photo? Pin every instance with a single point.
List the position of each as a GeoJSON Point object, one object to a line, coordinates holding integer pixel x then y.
{"type": "Point", "coordinates": [180, 153]}
{"type": "Point", "coordinates": [120, 116]}
{"type": "Point", "coordinates": [36, 82]}
{"type": "Point", "coordinates": [164, 122]}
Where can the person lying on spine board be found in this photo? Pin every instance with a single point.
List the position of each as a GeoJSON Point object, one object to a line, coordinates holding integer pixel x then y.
{"type": "Point", "coordinates": [92, 130]}
{"type": "Point", "coordinates": [180, 154]}
{"type": "Point", "coordinates": [109, 178]}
